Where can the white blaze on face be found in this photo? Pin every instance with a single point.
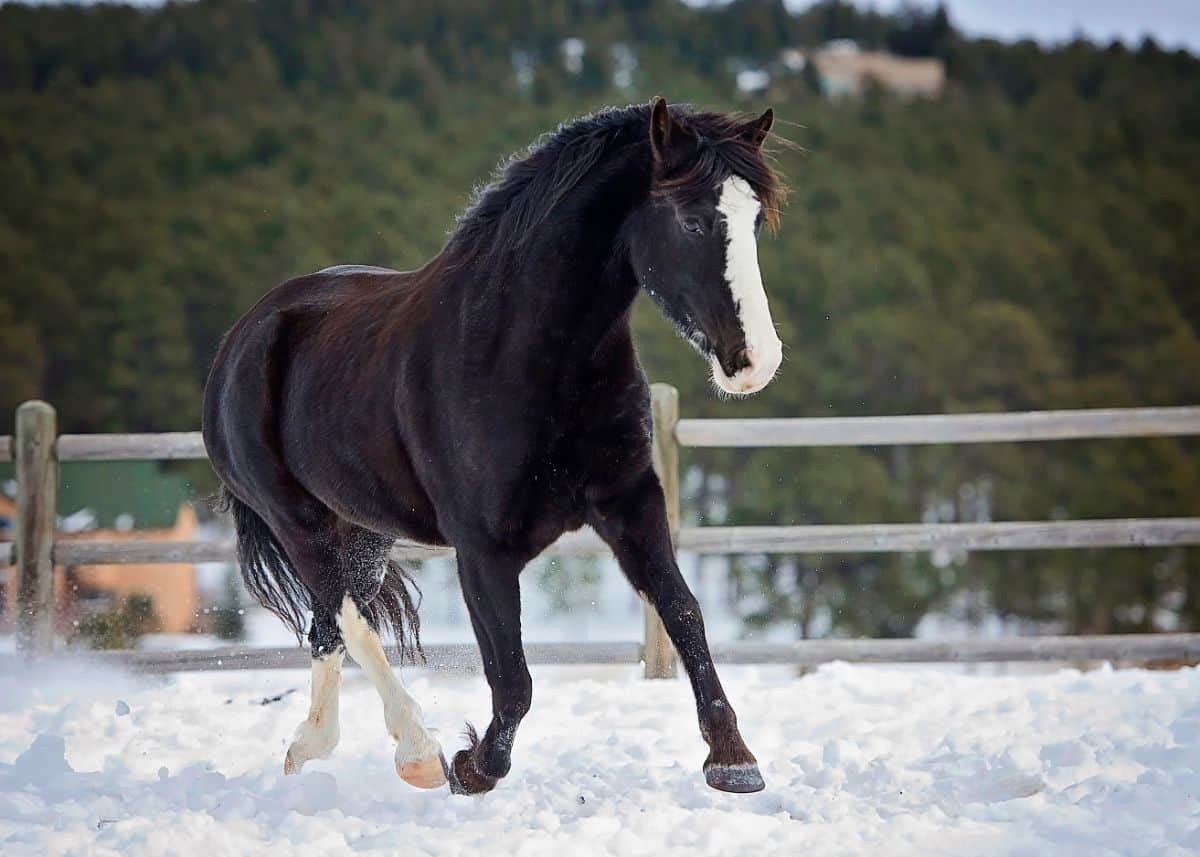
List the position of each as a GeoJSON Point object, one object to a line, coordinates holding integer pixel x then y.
{"type": "Point", "coordinates": [740, 207]}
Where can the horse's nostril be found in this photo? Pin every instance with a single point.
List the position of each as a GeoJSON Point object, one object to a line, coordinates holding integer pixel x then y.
{"type": "Point", "coordinates": [741, 360]}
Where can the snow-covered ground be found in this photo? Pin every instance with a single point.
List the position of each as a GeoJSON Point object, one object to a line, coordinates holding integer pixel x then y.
{"type": "Point", "coordinates": [864, 761]}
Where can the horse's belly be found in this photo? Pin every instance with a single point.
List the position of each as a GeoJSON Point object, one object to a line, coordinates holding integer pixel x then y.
{"type": "Point", "coordinates": [368, 484]}
{"type": "Point", "coordinates": [406, 521]}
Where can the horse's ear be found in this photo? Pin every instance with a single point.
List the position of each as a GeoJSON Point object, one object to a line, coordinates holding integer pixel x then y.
{"type": "Point", "coordinates": [661, 125]}
{"type": "Point", "coordinates": [756, 130]}
{"type": "Point", "coordinates": [672, 143]}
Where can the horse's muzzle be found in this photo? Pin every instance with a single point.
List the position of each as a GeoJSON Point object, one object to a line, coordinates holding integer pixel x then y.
{"type": "Point", "coordinates": [754, 367]}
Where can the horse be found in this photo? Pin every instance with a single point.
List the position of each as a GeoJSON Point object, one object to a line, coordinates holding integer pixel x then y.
{"type": "Point", "coordinates": [491, 401]}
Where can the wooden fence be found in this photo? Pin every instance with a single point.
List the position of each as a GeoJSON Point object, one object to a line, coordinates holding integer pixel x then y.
{"type": "Point", "coordinates": [37, 449]}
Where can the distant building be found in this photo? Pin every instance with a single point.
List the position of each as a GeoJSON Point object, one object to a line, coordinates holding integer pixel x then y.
{"type": "Point", "coordinates": [846, 71]}
{"type": "Point", "coordinates": [127, 502]}
{"type": "Point", "coordinates": [81, 589]}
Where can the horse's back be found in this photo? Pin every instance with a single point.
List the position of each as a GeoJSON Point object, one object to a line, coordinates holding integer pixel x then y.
{"type": "Point", "coordinates": [245, 383]}
{"type": "Point", "coordinates": [291, 389]}
{"type": "Point", "coordinates": [346, 270]}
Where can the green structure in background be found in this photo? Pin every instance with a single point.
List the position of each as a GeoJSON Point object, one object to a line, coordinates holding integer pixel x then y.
{"type": "Point", "coordinates": [142, 490]}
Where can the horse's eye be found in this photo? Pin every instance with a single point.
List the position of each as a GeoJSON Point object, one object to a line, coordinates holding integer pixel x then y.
{"type": "Point", "coordinates": [693, 226]}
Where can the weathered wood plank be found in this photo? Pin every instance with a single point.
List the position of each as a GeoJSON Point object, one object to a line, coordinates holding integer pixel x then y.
{"type": "Point", "coordinates": [68, 551]}
{"type": "Point", "coordinates": [1012, 535]}
{"type": "Point", "coordinates": [86, 552]}
{"type": "Point", "coordinates": [1129, 648]}
{"type": "Point", "coordinates": [818, 538]}
{"type": "Point", "coordinates": [131, 447]}
{"type": "Point", "coordinates": [940, 428]}
{"type": "Point", "coordinates": [448, 657]}
{"type": "Point", "coordinates": [37, 492]}
{"type": "Point", "coordinates": [6, 447]}
{"type": "Point", "coordinates": [815, 431]}
{"type": "Point", "coordinates": [1111, 647]}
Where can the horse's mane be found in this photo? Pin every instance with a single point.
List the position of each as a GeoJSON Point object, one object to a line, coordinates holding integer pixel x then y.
{"type": "Point", "coordinates": [526, 189]}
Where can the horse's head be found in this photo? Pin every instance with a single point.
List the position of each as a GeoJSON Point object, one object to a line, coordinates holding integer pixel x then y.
{"type": "Point", "coordinates": [693, 243]}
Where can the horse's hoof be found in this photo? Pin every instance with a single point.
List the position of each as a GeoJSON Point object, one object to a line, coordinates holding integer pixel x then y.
{"type": "Point", "coordinates": [465, 778]}
{"type": "Point", "coordinates": [424, 774]}
{"type": "Point", "coordinates": [739, 779]}
{"type": "Point", "coordinates": [293, 762]}
{"type": "Point", "coordinates": [312, 741]}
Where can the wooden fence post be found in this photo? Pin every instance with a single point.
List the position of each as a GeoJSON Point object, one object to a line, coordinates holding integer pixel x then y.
{"type": "Point", "coordinates": [37, 504]}
{"type": "Point", "coordinates": [658, 653]}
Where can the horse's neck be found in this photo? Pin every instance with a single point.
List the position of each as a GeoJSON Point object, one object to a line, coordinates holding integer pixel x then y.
{"type": "Point", "coordinates": [572, 285]}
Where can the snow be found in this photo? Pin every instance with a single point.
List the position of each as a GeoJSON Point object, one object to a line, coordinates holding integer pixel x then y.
{"type": "Point", "coordinates": [858, 760]}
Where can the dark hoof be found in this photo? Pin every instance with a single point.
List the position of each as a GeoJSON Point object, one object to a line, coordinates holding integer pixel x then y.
{"type": "Point", "coordinates": [739, 779]}
{"type": "Point", "coordinates": [465, 778]}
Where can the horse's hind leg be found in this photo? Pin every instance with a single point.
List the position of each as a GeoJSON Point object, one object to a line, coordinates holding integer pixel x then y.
{"type": "Point", "coordinates": [418, 756]}
{"type": "Point", "coordinates": [355, 591]}
{"type": "Point", "coordinates": [372, 595]}
{"type": "Point", "coordinates": [318, 734]}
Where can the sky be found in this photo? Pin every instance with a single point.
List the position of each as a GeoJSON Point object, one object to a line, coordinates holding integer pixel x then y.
{"type": "Point", "coordinates": [1172, 23]}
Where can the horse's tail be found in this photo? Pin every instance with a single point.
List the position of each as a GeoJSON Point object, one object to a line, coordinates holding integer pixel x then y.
{"type": "Point", "coordinates": [270, 578]}
{"type": "Point", "coordinates": [268, 575]}
{"type": "Point", "coordinates": [395, 609]}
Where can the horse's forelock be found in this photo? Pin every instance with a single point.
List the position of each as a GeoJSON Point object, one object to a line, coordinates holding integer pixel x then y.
{"type": "Point", "coordinates": [724, 150]}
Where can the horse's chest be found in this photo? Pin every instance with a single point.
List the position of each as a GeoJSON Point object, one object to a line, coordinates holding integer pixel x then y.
{"type": "Point", "coordinates": [555, 496]}
{"type": "Point", "coordinates": [548, 471]}
{"type": "Point", "coordinates": [596, 456]}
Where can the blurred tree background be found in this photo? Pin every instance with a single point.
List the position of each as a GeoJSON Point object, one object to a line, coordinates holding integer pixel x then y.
{"type": "Point", "coordinates": [1028, 239]}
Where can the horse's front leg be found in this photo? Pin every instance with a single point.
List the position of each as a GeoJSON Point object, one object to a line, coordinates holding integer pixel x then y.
{"type": "Point", "coordinates": [491, 589]}
{"type": "Point", "coordinates": [634, 524]}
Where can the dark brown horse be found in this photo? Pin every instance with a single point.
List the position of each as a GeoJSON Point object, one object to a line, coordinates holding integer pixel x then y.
{"type": "Point", "coordinates": [492, 400]}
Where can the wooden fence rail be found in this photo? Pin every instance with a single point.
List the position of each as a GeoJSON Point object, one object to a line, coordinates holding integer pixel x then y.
{"type": "Point", "coordinates": [941, 428]}
{"type": "Point", "coordinates": [464, 657]}
{"type": "Point", "coordinates": [814, 431]}
{"type": "Point", "coordinates": [37, 450]}
{"type": "Point", "coordinates": [815, 538]}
